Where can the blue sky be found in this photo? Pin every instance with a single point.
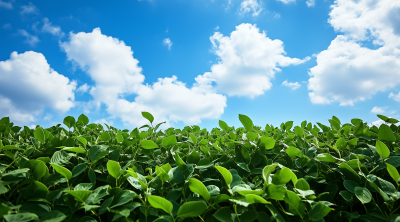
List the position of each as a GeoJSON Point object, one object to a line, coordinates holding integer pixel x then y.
{"type": "Point", "coordinates": [194, 62]}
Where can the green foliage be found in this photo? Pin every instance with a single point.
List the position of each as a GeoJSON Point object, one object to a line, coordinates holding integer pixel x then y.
{"type": "Point", "coordinates": [341, 172]}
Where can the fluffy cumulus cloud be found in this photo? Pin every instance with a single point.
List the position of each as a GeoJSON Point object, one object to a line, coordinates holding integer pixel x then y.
{"type": "Point", "coordinates": [28, 85]}
{"type": "Point", "coordinates": [52, 29]}
{"type": "Point", "coordinates": [310, 3]}
{"type": "Point", "coordinates": [83, 88]}
{"type": "Point", "coordinates": [378, 110]}
{"type": "Point", "coordinates": [167, 42]}
{"type": "Point", "coordinates": [347, 72]}
{"type": "Point", "coordinates": [116, 73]}
{"type": "Point", "coordinates": [292, 85]}
{"type": "Point", "coordinates": [248, 62]}
{"type": "Point", "coordinates": [248, 6]}
{"type": "Point", "coordinates": [396, 97]}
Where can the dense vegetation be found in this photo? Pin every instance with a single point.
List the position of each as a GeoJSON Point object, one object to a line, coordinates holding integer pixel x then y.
{"type": "Point", "coordinates": [341, 172]}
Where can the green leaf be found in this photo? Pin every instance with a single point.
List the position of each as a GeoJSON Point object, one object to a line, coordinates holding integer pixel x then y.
{"type": "Point", "coordinates": [252, 198]}
{"type": "Point", "coordinates": [282, 177]}
{"type": "Point", "coordinates": [246, 121]}
{"type": "Point", "coordinates": [296, 206]}
{"type": "Point", "coordinates": [87, 219]}
{"type": "Point", "coordinates": [104, 206]}
{"type": "Point", "coordinates": [276, 192]}
{"type": "Point", "coordinates": [104, 136]}
{"type": "Point", "coordinates": [363, 194]}
{"type": "Point", "coordinates": [302, 184]}
{"type": "Point", "coordinates": [160, 203]}
{"type": "Point", "coordinates": [225, 174]}
{"type": "Point", "coordinates": [267, 171]}
{"type": "Point", "coordinates": [275, 213]}
{"type": "Point", "coordinates": [319, 211]}
{"type": "Point", "coordinates": [84, 119]}
{"type": "Point", "coordinates": [36, 190]}
{"type": "Point", "coordinates": [97, 195]}
{"type": "Point", "coordinates": [74, 149]}
{"type": "Point", "coordinates": [21, 217]}
{"type": "Point", "coordinates": [349, 173]}
{"type": "Point", "coordinates": [386, 134]}
{"type": "Point", "coordinates": [62, 170]}
{"type": "Point", "coordinates": [196, 186]}
{"type": "Point", "coordinates": [39, 134]}
{"type": "Point", "coordinates": [326, 157]}
{"type": "Point", "coordinates": [53, 216]}
{"type": "Point", "coordinates": [114, 169]}
{"type": "Point", "coordinates": [69, 121]}
{"type": "Point", "coordinates": [249, 216]}
{"type": "Point", "coordinates": [223, 214]}
{"type": "Point", "coordinates": [268, 142]}
{"type": "Point", "coordinates": [293, 152]}
{"type": "Point", "coordinates": [11, 147]}
{"type": "Point", "coordinates": [39, 171]}
{"type": "Point", "coordinates": [192, 209]}
{"type": "Point", "coordinates": [123, 197]}
{"type": "Point", "coordinates": [298, 131]}
{"type": "Point", "coordinates": [350, 185]}
{"type": "Point", "coordinates": [288, 125]}
{"type": "Point", "coordinates": [148, 144]}
{"type": "Point", "coordinates": [169, 141]}
{"type": "Point", "coordinates": [148, 116]}
{"type": "Point", "coordinates": [223, 125]}
{"type": "Point", "coordinates": [80, 195]}
{"type": "Point", "coordinates": [393, 172]}
{"type": "Point", "coordinates": [382, 149]}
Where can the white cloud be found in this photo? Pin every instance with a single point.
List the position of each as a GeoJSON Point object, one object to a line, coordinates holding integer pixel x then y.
{"type": "Point", "coordinates": [7, 26]}
{"type": "Point", "coordinates": [287, 1]}
{"type": "Point", "coordinates": [347, 72]}
{"type": "Point", "coordinates": [54, 30]}
{"type": "Point", "coordinates": [379, 122]}
{"type": "Point", "coordinates": [110, 64]}
{"type": "Point", "coordinates": [248, 6]}
{"type": "Point", "coordinates": [29, 9]}
{"type": "Point", "coordinates": [30, 39]}
{"type": "Point", "coordinates": [83, 88]}
{"type": "Point", "coordinates": [7, 5]}
{"type": "Point", "coordinates": [28, 85]}
{"type": "Point", "coordinates": [248, 61]}
{"type": "Point", "coordinates": [378, 110]}
{"type": "Point", "coordinates": [216, 28]}
{"type": "Point", "coordinates": [396, 97]}
{"type": "Point", "coordinates": [167, 42]}
{"type": "Point", "coordinates": [292, 85]}
{"type": "Point", "coordinates": [310, 3]}
{"type": "Point", "coordinates": [47, 117]}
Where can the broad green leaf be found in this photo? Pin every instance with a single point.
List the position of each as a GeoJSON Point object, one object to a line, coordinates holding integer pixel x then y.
{"type": "Point", "coordinates": [84, 119]}
{"type": "Point", "coordinates": [298, 131]}
{"type": "Point", "coordinates": [302, 184]}
{"type": "Point", "coordinates": [245, 154]}
{"type": "Point", "coordinates": [268, 142]}
{"type": "Point", "coordinates": [393, 172]}
{"type": "Point", "coordinates": [350, 185]}
{"type": "Point", "coordinates": [123, 197]}
{"type": "Point", "coordinates": [386, 134]}
{"type": "Point", "coordinates": [104, 136]}
{"type": "Point", "coordinates": [296, 206]}
{"type": "Point", "coordinates": [62, 170]}
{"type": "Point", "coordinates": [74, 149]}
{"type": "Point", "coordinates": [340, 143]}
{"type": "Point", "coordinates": [97, 195]}
{"type": "Point", "coordinates": [36, 190]}
{"type": "Point", "coordinates": [246, 121]}
{"type": "Point", "coordinates": [80, 195]}
{"type": "Point", "coordinates": [293, 152]}
{"type": "Point", "coordinates": [267, 171]}
{"type": "Point", "coordinates": [382, 149]}
{"type": "Point", "coordinates": [224, 214]}
{"type": "Point", "coordinates": [193, 138]}
{"type": "Point", "coordinates": [148, 116]}
{"type": "Point", "coordinates": [326, 157]}
{"type": "Point", "coordinates": [69, 121]}
{"type": "Point", "coordinates": [83, 186]}
{"type": "Point", "coordinates": [282, 177]}
{"type": "Point", "coordinates": [21, 217]}
{"type": "Point", "coordinates": [53, 216]}
{"type": "Point", "coordinates": [252, 198]}
{"type": "Point", "coordinates": [120, 138]}
{"type": "Point", "coordinates": [288, 125]}
{"type": "Point", "coordinates": [349, 173]}
{"type": "Point", "coordinates": [196, 186]}
{"type": "Point", "coordinates": [11, 147]}
{"type": "Point", "coordinates": [148, 144]}
{"type": "Point", "coordinates": [319, 211]}
{"type": "Point", "coordinates": [275, 213]}
{"type": "Point", "coordinates": [160, 203]}
{"type": "Point", "coordinates": [225, 174]}
{"type": "Point", "coordinates": [104, 206]}
{"type": "Point", "coordinates": [192, 209]}
{"type": "Point", "coordinates": [169, 141]}
{"type": "Point", "coordinates": [363, 194]}
{"type": "Point", "coordinates": [39, 171]}
{"type": "Point", "coordinates": [250, 216]}
{"type": "Point", "coordinates": [276, 192]}
{"type": "Point", "coordinates": [82, 140]}
{"type": "Point", "coordinates": [223, 125]}
{"type": "Point", "coordinates": [114, 169]}
{"type": "Point", "coordinates": [39, 134]}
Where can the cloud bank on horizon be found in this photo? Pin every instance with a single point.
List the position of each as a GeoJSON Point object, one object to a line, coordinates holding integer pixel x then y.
{"type": "Point", "coordinates": [247, 62]}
